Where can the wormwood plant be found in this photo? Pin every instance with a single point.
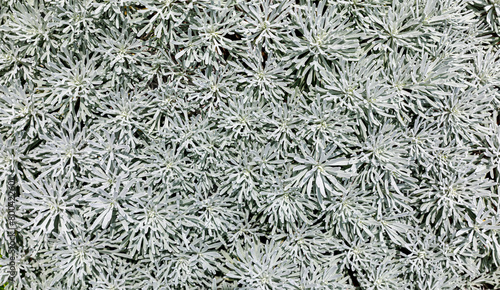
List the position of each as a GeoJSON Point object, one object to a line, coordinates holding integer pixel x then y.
{"type": "Point", "coordinates": [210, 144]}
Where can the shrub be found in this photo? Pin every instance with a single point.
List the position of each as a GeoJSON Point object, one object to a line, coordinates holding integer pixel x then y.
{"type": "Point", "coordinates": [178, 144]}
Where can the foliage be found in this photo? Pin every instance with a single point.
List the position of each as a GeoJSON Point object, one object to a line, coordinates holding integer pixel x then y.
{"type": "Point", "coordinates": [248, 144]}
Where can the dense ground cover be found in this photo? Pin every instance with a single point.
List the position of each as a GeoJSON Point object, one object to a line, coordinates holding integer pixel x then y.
{"type": "Point", "coordinates": [251, 144]}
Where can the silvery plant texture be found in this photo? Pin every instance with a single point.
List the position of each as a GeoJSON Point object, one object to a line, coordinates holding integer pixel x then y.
{"type": "Point", "coordinates": [250, 144]}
